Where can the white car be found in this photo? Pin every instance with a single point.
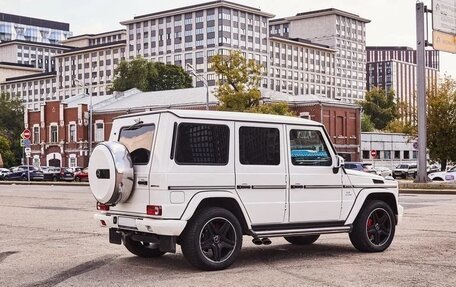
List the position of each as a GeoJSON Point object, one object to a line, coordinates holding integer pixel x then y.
{"type": "Point", "coordinates": [449, 175]}
{"type": "Point", "coordinates": [383, 171]}
{"type": "Point", "coordinates": [4, 172]}
{"type": "Point", "coordinates": [203, 179]}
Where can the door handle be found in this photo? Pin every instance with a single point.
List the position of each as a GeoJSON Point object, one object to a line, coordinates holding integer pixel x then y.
{"type": "Point", "coordinates": [297, 186]}
{"type": "Point", "coordinates": [244, 186]}
{"type": "Point", "coordinates": [142, 182]}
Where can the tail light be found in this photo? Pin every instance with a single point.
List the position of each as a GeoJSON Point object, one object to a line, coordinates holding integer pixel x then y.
{"type": "Point", "coordinates": [103, 207]}
{"type": "Point", "coordinates": [154, 210]}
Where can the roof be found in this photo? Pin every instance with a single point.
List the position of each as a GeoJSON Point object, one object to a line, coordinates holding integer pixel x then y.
{"type": "Point", "coordinates": [30, 77]}
{"type": "Point", "coordinates": [402, 48]}
{"type": "Point", "coordinates": [200, 6]}
{"type": "Point", "coordinates": [310, 100]}
{"type": "Point", "coordinates": [16, 65]}
{"type": "Point", "coordinates": [93, 47]}
{"type": "Point", "coordinates": [232, 116]}
{"type": "Point", "coordinates": [300, 41]}
{"type": "Point", "coordinates": [95, 35]}
{"type": "Point", "coordinates": [32, 43]}
{"type": "Point", "coordinates": [322, 12]}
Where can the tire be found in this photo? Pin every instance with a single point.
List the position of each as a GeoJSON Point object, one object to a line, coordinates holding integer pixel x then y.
{"type": "Point", "coordinates": [374, 228]}
{"type": "Point", "coordinates": [437, 179]}
{"type": "Point", "coordinates": [212, 239]}
{"type": "Point", "coordinates": [302, 240]}
{"type": "Point", "coordinates": [141, 249]}
{"type": "Point", "coordinates": [77, 179]}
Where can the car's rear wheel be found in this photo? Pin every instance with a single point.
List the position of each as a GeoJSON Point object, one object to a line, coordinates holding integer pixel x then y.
{"type": "Point", "coordinates": [302, 240]}
{"type": "Point", "coordinates": [77, 179]}
{"type": "Point", "coordinates": [142, 249]}
{"type": "Point", "coordinates": [212, 239]}
{"type": "Point", "coordinates": [374, 228]}
{"type": "Point", "coordinates": [437, 179]}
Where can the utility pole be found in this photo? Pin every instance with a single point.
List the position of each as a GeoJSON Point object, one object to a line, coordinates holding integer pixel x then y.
{"type": "Point", "coordinates": [421, 91]}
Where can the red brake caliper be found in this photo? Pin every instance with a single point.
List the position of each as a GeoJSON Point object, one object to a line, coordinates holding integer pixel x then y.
{"type": "Point", "coordinates": [370, 222]}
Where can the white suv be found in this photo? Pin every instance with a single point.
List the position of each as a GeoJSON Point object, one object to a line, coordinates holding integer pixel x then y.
{"type": "Point", "coordinates": [203, 179]}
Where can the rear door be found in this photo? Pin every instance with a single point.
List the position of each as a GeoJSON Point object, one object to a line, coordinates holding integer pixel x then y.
{"type": "Point", "coordinates": [138, 135]}
{"type": "Point", "coordinates": [261, 171]}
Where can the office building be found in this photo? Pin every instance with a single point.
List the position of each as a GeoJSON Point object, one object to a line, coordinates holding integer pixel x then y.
{"type": "Point", "coordinates": [342, 31]}
{"type": "Point", "coordinates": [15, 27]}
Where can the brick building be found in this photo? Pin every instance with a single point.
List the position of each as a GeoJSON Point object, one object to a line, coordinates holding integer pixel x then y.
{"type": "Point", "coordinates": [60, 128]}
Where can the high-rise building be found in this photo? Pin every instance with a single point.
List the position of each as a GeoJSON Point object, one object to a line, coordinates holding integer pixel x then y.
{"type": "Point", "coordinates": [394, 68]}
{"type": "Point", "coordinates": [15, 27]}
{"type": "Point", "coordinates": [342, 31]}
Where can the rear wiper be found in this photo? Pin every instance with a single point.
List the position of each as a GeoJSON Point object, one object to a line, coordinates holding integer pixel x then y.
{"type": "Point", "coordinates": [135, 125]}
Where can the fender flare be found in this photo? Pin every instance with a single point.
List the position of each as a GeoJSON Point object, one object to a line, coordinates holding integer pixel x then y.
{"type": "Point", "coordinates": [361, 198]}
{"type": "Point", "coordinates": [197, 198]}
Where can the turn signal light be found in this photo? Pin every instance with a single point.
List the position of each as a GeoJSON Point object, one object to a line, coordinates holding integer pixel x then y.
{"type": "Point", "coordinates": [103, 207]}
{"type": "Point", "coordinates": [154, 210]}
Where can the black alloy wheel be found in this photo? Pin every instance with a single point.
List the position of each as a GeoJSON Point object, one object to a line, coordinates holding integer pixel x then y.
{"type": "Point", "coordinates": [218, 239]}
{"type": "Point", "coordinates": [378, 227]}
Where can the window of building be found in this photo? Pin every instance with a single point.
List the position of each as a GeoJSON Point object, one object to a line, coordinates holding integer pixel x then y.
{"type": "Point", "coordinates": [259, 146]}
{"type": "Point", "coordinates": [73, 161]}
{"type": "Point", "coordinates": [308, 148]}
{"type": "Point", "coordinates": [202, 144]}
{"type": "Point", "coordinates": [36, 134]}
{"type": "Point", "coordinates": [54, 134]}
{"type": "Point", "coordinates": [138, 140]}
{"type": "Point", "coordinates": [99, 131]}
{"type": "Point", "coordinates": [397, 154]}
{"type": "Point", "coordinates": [406, 154]}
{"type": "Point", "coordinates": [387, 154]}
{"type": "Point", "coordinates": [72, 133]}
{"type": "Point", "coordinates": [366, 154]}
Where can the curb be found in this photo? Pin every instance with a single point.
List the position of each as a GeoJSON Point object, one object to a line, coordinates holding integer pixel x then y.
{"type": "Point", "coordinates": [427, 191]}
{"type": "Point", "coordinates": [49, 183]}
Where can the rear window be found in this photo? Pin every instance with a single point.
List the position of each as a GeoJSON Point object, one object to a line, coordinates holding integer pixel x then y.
{"type": "Point", "coordinates": [138, 140]}
{"type": "Point", "coordinates": [202, 144]}
{"type": "Point", "coordinates": [259, 146]}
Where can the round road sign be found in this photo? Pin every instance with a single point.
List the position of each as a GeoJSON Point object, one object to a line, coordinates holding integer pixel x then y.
{"type": "Point", "coordinates": [26, 134]}
{"type": "Point", "coordinates": [373, 153]}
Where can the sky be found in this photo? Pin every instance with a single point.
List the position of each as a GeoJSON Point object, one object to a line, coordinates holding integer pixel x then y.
{"type": "Point", "coordinates": [392, 21]}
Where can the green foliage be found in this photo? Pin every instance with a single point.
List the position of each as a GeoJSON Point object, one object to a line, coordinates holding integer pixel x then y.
{"type": "Point", "coordinates": [366, 124]}
{"type": "Point", "coordinates": [441, 122]}
{"type": "Point", "coordinates": [399, 126]}
{"type": "Point", "coordinates": [149, 76]}
{"type": "Point", "coordinates": [11, 126]}
{"type": "Point", "coordinates": [238, 88]}
{"type": "Point", "coordinates": [380, 107]}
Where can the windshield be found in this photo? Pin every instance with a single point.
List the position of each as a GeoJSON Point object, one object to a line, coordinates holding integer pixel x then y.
{"type": "Point", "coordinates": [403, 166]}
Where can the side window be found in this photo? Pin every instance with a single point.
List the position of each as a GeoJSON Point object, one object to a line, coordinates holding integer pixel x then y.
{"type": "Point", "coordinates": [202, 144]}
{"type": "Point", "coordinates": [259, 146]}
{"type": "Point", "coordinates": [138, 141]}
{"type": "Point", "coordinates": [308, 148]}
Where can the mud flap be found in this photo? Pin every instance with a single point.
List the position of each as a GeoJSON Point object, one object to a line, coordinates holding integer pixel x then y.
{"type": "Point", "coordinates": [115, 237]}
{"type": "Point", "coordinates": [168, 243]}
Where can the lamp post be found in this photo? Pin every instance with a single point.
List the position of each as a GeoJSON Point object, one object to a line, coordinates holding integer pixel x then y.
{"type": "Point", "coordinates": [89, 93]}
{"type": "Point", "coordinates": [192, 71]}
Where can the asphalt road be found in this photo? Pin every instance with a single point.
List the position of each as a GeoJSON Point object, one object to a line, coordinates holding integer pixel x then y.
{"type": "Point", "coordinates": [48, 238]}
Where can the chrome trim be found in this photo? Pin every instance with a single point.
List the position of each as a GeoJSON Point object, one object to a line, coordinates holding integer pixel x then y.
{"type": "Point", "coordinates": [269, 186]}
{"type": "Point", "coordinates": [200, 187]}
{"type": "Point", "coordinates": [306, 231]}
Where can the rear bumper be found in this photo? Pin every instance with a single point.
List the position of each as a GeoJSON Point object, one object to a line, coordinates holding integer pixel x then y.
{"type": "Point", "coordinates": [156, 226]}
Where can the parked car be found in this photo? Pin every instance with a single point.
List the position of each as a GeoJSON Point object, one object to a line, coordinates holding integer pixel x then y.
{"type": "Point", "coordinates": [203, 179]}
{"type": "Point", "coordinates": [82, 175]}
{"type": "Point", "coordinates": [430, 169]}
{"type": "Point", "coordinates": [360, 166]}
{"type": "Point", "coordinates": [4, 172]}
{"type": "Point", "coordinates": [449, 175]}
{"type": "Point", "coordinates": [22, 173]}
{"type": "Point", "coordinates": [58, 173]}
{"type": "Point", "coordinates": [404, 170]}
{"type": "Point", "coordinates": [383, 171]}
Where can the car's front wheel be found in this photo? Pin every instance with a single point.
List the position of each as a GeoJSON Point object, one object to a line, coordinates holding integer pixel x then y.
{"type": "Point", "coordinates": [302, 240]}
{"type": "Point", "coordinates": [374, 228]}
{"type": "Point", "coordinates": [141, 249]}
{"type": "Point", "coordinates": [212, 239]}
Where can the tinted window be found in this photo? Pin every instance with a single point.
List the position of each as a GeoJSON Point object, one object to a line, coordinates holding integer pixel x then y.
{"type": "Point", "coordinates": [259, 146]}
{"type": "Point", "coordinates": [202, 144]}
{"type": "Point", "coordinates": [138, 140]}
{"type": "Point", "coordinates": [308, 148]}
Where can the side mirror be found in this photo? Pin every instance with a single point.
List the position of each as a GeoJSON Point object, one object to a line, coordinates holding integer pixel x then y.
{"type": "Point", "coordinates": [340, 162]}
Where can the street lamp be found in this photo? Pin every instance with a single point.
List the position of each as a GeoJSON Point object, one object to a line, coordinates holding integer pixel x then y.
{"type": "Point", "coordinates": [192, 71]}
{"type": "Point", "coordinates": [89, 92]}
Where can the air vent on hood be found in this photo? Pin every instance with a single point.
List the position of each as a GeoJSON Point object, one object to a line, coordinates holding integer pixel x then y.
{"type": "Point", "coordinates": [379, 181]}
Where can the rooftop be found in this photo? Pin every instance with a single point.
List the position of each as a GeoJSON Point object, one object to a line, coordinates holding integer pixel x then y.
{"type": "Point", "coordinates": [299, 41]}
{"type": "Point", "coordinates": [93, 47]}
{"type": "Point", "coordinates": [96, 35]}
{"type": "Point", "coordinates": [29, 77]}
{"type": "Point", "coordinates": [322, 12]}
{"type": "Point", "coordinates": [32, 43]}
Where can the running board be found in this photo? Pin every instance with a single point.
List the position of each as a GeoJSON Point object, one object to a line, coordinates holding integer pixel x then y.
{"type": "Point", "coordinates": [305, 231]}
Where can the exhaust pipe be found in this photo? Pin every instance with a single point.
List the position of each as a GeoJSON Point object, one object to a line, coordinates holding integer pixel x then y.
{"type": "Point", "coordinates": [261, 241]}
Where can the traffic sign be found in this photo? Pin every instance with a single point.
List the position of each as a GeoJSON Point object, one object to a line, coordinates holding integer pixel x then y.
{"type": "Point", "coordinates": [415, 145]}
{"type": "Point", "coordinates": [373, 153]}
{"type": "Point", "coordinates": [28, 154]}
{"type": "Point", "coordinates": [27, 143]}
{"type": "Point", "coordinates": [26, 134]}
{"type": "Point", "coordinates": [28, 150]}
{"type": "Point", "coordinates": [444, 16]}
{"type": "Point", "coordinates": [444, 42]}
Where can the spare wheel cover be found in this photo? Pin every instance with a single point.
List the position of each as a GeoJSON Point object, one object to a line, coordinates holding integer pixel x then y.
{"type": "Point", "coordinates": [111, 174]}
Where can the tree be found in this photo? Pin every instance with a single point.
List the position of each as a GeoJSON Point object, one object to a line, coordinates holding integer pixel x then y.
{"type": "Point", "coordinates": [441, 122]}
{"type": "Point", "coordinates": [380, 106]}
{"type": "Point", "coordinates": [149, 76]}
{"type": "Point", "coordinates": [366, 124]}
{"type": "Point", "coordinates": [11, 126]}
{"type": "Point", "coordinates": [238, 88]}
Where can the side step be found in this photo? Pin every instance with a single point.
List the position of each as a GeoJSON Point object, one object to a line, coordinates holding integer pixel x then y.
{"type": "Point", "coordinates": [303, 231]}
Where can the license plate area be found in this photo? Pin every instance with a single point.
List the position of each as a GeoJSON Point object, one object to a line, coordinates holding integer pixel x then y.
{"type": "Point", "coordinates": [127, 222]}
